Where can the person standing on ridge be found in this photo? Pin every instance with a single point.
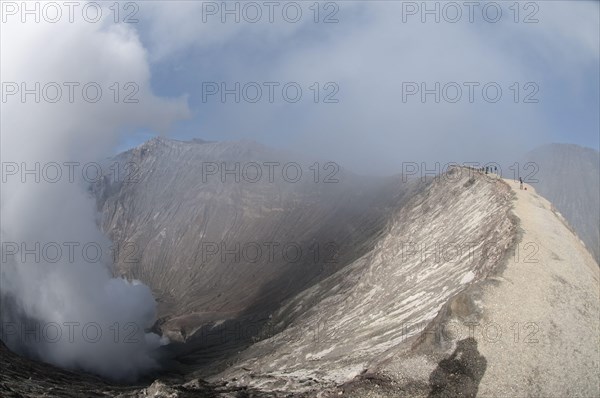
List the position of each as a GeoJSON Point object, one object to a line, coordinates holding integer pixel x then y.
{"type": "Point", "coordinates": [520, 182]}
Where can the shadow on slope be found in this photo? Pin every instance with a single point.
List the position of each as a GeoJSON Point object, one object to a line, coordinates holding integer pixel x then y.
{"type": "Point", "coordinates": [459, 374]}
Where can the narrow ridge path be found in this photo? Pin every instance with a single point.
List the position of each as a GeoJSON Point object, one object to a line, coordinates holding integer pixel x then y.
{"type": "Point", "coordinates": [546, 307]}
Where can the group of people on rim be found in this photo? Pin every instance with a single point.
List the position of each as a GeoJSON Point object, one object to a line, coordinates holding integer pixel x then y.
{"type": "Point", "coordinates": [493, 169]}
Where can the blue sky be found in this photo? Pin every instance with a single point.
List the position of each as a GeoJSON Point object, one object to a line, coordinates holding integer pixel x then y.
{"type": "Point", "coordinates": [373, 49]}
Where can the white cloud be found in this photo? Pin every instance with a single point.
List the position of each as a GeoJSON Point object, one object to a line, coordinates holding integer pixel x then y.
{"type": "Point", "coordinates": [369, 53]}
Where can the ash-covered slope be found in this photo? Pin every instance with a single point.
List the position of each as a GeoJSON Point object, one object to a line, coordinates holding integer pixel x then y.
{"type": "Point", "coordinates": [519, 315]}
{"type": "Point", "coordinates": [22, 377]}
{"type": "Point", "coordinates": [569, 177]}
{"type": "Point", "coordinates": [446, 238]}
{"type": "Point", "coordinates": [546, 305]}
{"type": "Point", "coordinates": [227, 230]}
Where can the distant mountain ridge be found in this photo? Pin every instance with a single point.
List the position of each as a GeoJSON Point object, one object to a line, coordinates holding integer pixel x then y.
{"type": "Point", "coordinates": [569, 177]}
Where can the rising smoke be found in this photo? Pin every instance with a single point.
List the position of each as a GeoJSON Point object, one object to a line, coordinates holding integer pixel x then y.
{"type": "Point", "coordinates": [60, 301]}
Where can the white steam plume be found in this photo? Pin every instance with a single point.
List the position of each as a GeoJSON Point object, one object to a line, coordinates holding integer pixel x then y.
{"type": "Point", "coordinates": [68, 302]}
